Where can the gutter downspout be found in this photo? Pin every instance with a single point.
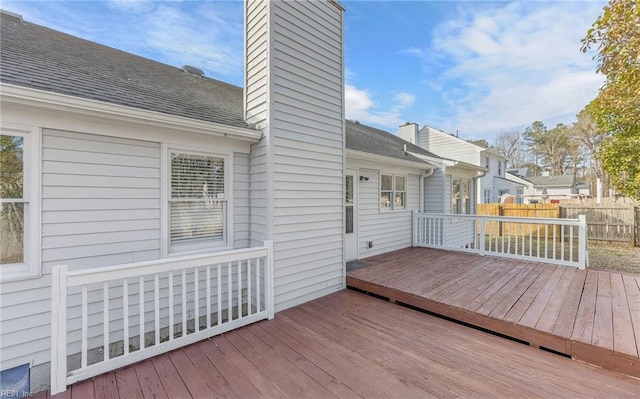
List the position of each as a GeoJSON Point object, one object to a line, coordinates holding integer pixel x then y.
{"type": "Point", "coordinates": [422, 186]}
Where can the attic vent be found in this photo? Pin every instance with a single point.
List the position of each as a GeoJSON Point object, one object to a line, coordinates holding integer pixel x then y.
{"type": "Point", "coordinates": [11, 16]}
{"type": "Point", "coordinates": [193, 70]}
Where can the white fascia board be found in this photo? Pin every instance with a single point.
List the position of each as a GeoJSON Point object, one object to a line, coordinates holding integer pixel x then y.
{"type": "Point", "coordinates": [365, 156]}
{"type": "Point", "coordinates": [62, 102]}
{"type": "Point", "coordinates": [435, 161]}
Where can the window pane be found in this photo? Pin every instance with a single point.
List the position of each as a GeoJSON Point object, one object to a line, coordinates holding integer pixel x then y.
{"type": "Point", "coordinates": [385, 199]}
{"type": "Point", "coordinates": [11, 233]}
{"type": "Point", "coordinates": [11, 166]}
{"type": "Point", "coordinates": [196, 176]}
{"type": "Point", "coordinates": [348, 190]}
{"type": "Point", "coordinates": [194, 221]}
{"type": "Point", "coordinates": [386, 183]}
{"type": "Point", "coordinates": [349, 221]}
{"type": "Point", "coordinates": [399, 200]}
{"type": "Point", "coordinates": [400, 183]}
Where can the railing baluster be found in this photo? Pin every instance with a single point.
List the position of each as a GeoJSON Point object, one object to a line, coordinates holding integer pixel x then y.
{"type": "Point", "coordinates": [249, 291]}
{"type": "Point", "coordinates": [555, 254]}
{"type": "Point", "coordinates": [570, 244]}
{"type": "Point", "coordinates": [105, 320]}
{"type": "Point", "coordinates": [141, 311]}
{"type": "Point", "coordinates": [562, 241]}
{"type": "Point", "coordinates": [229, 292]}
{"type": "Point", "coordinates": [219, 293]}
{"type": "Point", "coordinates": [208, 296]}
{"type": "Point", "coordinates": [239, 290]}
{"type": "Point", "coordinates": [196, 301]}
{"type": "Point", "coordinates": [171, 307]}
{"type": "Point", "coordinates": [184, 304]}
{"type": "Point", "coordinates": [125, 315]}
{"type": "Point", "coordinates": [85, 323]}
{"type": "Point", "coordinates": [156, 307]}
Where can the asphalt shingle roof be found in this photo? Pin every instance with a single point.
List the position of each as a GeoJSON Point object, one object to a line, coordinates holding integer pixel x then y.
{"type": "Point", "coordinates": [375, 141]}
{"type": "Point", "coordinates": [41, 58]}
{"type": "Point", "coordinates": [552, 181]}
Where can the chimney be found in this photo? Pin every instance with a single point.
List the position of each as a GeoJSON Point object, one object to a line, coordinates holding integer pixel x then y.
{"type": "Point", "coordinates": [409, 132]}
{"type": "Point", "coordinates": [294, 95]}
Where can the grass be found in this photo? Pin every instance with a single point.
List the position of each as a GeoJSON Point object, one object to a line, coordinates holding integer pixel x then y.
{"type": "Point", "coordinates": [614, 258]}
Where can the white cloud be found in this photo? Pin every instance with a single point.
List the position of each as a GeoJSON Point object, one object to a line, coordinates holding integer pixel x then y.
{"type": "Point", "coordinates": [511, 64]}
{"type": "Point", "coordinates": [360, 106]}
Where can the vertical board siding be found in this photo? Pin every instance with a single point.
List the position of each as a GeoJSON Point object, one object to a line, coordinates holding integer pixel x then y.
{"type": "Point", "coordinates": [306, 149]}
{"type": "Point", "coordinates": [389, 230]}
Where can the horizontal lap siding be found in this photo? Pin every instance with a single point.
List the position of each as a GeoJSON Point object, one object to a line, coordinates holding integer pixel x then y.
{"type": "Point", "coordinates": [256, 74]}
{"type": "Point", "coordinates": [241, 200]}
{"type": "Point", "coordinates": [100, 200]}
{"type": "Point", "coordinates": [389, 230]}
{"type": "Point", "coordinates": [258, 194]}
{"type": "Point", "coordinates": [307, 150]}
{"type": "Point", "coordinates": [434, 189]}
{"type": "Point", "coordinates": [100, 206]}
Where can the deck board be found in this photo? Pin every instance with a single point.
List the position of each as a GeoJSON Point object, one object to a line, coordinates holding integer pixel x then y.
{"type": "Point", "coordinates": [352, 345]}
{"type": "Point", "coordinates": [590, 315]}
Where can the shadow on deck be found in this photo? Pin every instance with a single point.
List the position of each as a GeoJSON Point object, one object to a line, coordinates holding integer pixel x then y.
{"type": "Point", "coordinates": [592, 316]}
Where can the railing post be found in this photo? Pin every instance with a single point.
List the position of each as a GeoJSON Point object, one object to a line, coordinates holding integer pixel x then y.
{"type": "Point", "coordinates": [481, 235]}
{"type": "Point", "coordinates": [59, 329]}
{"type": "Point", "coordinates": [268, 283]}
{"type": "Point", "coordinates": [582, 242]}
{"type": "Point", "coordinates": [414, 215]}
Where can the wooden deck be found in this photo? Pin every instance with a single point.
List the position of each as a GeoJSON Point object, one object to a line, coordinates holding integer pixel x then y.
{"type": "Point", "coordinates": [350, 345]}
{"type": "Point", "coordinates": [592, 316]}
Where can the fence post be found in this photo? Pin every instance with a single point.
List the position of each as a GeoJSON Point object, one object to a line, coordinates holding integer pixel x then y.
{"type": "Point", "coordinates": [582, 242]}
{"type": "Point", "coordinates": [59, 329]}
{"type": "Point", "coordinates": [268, 283]}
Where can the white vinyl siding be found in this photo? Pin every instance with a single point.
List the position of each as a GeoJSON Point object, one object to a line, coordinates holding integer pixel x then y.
{"type": "Point", "coordinates": [388, 231]}
{"type": "Point", "coordinates": [435, 195]}
{"type": "Point", "coordinates": [241, 200]}
{"type": "Point", "coordinates": [297, 189]}
{"type": "Point", "coordinates": [109, 190]}
{"type": "Point", "coordinates": [256, 70]}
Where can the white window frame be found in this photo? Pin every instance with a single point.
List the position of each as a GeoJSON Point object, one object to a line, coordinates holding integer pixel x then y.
{"type": "Point", "coordinates": [186, 249]}
{"type": "Point", "coordinates": [393, 206]}
{"type": "Point", "coordinates": [30, 267]}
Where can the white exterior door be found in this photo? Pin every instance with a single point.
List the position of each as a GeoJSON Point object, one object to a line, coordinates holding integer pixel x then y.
{"type": "Point", "coordinates": [351, 214]}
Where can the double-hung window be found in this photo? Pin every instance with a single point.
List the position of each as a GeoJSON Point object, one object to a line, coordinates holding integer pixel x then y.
{"type": "Point", "coordinates": [19, 224]}
{"type": "Point", "coordinates": [197, 202]}
{"type": "Point", "coordinates": [393, 191]}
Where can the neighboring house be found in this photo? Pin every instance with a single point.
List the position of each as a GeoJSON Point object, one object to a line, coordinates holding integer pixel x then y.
{"type": "Point", "coordinates": [488, 187]}
{"type": "Point", "coordinates": [551, 188]}
{"type": "Point", "coordinates": [120, 159]}
{"type": "Point", "coordinates": [523, 187]}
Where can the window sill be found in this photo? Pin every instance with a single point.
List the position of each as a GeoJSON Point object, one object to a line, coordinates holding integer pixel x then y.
{"type": "Point", "coordinates": [18, 273]}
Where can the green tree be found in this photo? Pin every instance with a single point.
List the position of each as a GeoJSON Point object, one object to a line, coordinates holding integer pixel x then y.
{"type": "Point", "coordinates": [552, 148]}
{"type": "Point", "coordinates": [616, 110]}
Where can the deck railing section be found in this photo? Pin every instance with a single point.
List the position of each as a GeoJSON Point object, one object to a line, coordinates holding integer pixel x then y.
{"type": "Point", "coordinates": [109, 317]}
{"type": "Point", "coordinates": [550, 240]}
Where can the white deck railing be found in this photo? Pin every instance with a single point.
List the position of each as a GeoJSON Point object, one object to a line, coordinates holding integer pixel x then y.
{"type": "Point", "coordinates": [109, 317]}
{"type": "Point", "coordinates": [557, 241]}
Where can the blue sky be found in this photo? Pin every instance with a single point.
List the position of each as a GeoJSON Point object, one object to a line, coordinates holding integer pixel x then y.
{"type": "Point", "coordinates": [480, 68]}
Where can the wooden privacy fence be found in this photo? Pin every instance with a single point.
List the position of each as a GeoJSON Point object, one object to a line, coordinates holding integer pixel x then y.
{"type": "Point", "coordinates": [606, 223]}
{"type": "Point", "coordinates": [520, 210]}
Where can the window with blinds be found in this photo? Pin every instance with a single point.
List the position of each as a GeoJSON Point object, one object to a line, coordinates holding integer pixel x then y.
{"type": "Point", "coordinates": [197, 202]}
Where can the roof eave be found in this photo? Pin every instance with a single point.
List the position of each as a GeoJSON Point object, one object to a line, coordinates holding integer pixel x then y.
{"type": "Point", "coordinates": [367, 156]}
{"type": "Point", "coordinates": [48, 100]}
